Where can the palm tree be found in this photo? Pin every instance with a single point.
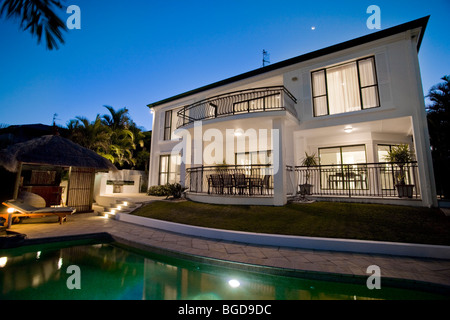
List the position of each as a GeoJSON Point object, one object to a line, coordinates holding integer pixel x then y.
{"type": "Point", "coordinates": [37, 16]}
{"type": "Point", "coordinates": [122, 146]}
{"type": "Point", "coordinates": [119, 119]}
{"type": "Point", "coordinates": [114, 136]}
{"type": "Point", "coordinates": [122, 137]}
{"type": "Point", "coordinates": [439, 127]}
{"type": "Point", "coordinates": [92, 135]}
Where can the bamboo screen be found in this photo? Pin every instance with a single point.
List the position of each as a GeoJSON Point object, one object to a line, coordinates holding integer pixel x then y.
{"type": "Point", "coordinates": [80, 192]}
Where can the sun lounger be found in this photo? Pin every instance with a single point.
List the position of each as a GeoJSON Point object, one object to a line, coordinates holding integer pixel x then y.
{"type": "Point", "coordinates": [26, 210]}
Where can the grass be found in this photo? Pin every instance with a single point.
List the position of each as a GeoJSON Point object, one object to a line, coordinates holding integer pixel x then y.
{"type": "Point", "coordinates": [319, 219]}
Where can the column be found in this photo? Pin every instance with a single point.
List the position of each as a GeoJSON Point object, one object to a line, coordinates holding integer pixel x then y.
{"type": "Point", "coordinates": [279, 165]}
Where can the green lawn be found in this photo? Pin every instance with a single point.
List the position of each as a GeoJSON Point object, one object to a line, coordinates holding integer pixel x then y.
{"type": "Point", "coordinates": [319, 219]}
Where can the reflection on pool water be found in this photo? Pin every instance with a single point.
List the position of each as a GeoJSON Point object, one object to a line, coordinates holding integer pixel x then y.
{"type": "Point", "coordinates": [109, 271]}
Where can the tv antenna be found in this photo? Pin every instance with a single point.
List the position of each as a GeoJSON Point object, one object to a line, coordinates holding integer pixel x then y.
{"type": "Point", "coordinates": [266, 58]}
{"type": "Point", "coordinates": [54, 118]}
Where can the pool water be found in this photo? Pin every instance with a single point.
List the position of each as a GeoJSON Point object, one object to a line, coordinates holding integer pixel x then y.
{"type": "Point", "coordinates": [110, 271]}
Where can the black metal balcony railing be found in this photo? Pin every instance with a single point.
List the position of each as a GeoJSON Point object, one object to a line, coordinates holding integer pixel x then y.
{"type": "Point", "coordinates": [371, 180]}
{"type": "Point", "coordinates": [359, 180]}
{"type": "Point", "coordinates": [238, 102]}
{"type": "Point", "coordinates": [242, 180]}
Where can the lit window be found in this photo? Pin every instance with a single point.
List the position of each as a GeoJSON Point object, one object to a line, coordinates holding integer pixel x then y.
{"type": "Point", "coordinates": [345, 88]}
{"type": "Point", "coordinates": [169, 169]}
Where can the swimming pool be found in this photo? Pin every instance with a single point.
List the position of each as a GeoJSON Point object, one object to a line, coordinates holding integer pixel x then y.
{"type": "Point", "coordinates": [110, 271]}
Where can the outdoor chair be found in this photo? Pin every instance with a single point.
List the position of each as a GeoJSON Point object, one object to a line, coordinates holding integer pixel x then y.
{"type": "Point", "coordinates": [240, 183]}
{"type": "Point", "coordinates": [228, 183]}
{"type": "Point", "coordinates": [266, 183]}
{"type": "Point", "coordinates": [27, 210]}
{"type": "Point", "coordinates": [215, 184]}
{"type": "Point", "coordinates": [259, 185]}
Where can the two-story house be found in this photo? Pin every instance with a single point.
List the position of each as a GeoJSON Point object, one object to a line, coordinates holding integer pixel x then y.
{"type": "Point", "coordinates": [243, 140]}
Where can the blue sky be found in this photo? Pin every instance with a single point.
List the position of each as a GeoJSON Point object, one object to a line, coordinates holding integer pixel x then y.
{"type": "Point", "coordinates": [132, 53]}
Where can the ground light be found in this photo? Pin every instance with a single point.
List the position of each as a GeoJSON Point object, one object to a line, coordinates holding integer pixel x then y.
{"type": "Point", "coordinates": [3, 261]}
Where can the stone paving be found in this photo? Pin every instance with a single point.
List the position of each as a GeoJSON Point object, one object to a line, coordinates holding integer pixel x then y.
{"type": "Point", "coordinates": [433, 272]}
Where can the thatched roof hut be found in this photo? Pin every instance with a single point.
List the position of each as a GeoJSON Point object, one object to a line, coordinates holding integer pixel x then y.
{"type": "Point", "coordinates": [56, 151]}
{"type": "Point", "coordinates": [52, 150]}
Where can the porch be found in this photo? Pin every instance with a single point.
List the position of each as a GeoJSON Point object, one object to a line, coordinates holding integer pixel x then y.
{"type": "Point", "coordinates": [231, 180]}
{"type": "Point", "coordinates": [254, 184]}
{"type": "Point", "coordinates": [366, 180]}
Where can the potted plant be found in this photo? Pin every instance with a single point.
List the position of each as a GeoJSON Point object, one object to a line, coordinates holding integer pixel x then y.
{"type": "Point", "coordinates": [400, 156]}
{"type": "Point", "coordinates": [308, 162]}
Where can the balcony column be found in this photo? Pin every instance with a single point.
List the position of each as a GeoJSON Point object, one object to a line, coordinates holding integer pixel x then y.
{"type": "Point", "coordinates": [197, 143]}
{"type": "Point", "coordinates": [279, 165]}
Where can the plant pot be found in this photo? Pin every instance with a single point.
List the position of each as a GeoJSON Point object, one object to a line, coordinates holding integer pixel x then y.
{"type": "Point", "coordinates": [306, 189]}
{"type": "Point", "coordinates": [405, 190]}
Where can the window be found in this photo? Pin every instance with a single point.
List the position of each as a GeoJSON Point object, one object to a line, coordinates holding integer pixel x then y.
{"type": "Point", "coordinates": [169, 169]}
{"type": "Point", "coordinates": [386, 171]}
{"type": "Point", "coordinates": [168, 125]}
{"type": "Point", "coordinates": [255, 157]}
{"type": "Point", "coordinates": [345, 88]}
{"type": "Point", "coordinates": [343, 168]}
{"type": "Point", "coordinates": [383, 151]}
{"type": "Point", "coordinates": [343, 155]}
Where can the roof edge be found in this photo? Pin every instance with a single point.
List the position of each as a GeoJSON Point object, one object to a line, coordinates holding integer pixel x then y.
{"type": "Point", "coordinates": [421, 22]}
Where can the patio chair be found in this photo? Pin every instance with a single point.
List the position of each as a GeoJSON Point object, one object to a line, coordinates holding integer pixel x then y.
{"type": "Point", "coordinates": [215, 183]}
{"type": "Point", "coordinates": [27, 210]}
{"type": "Point", "coordinates": [259, 184]}
{"type": "Point", "coordinates": [266, 183]}
{"type": "Point", "coordinates": [228, 183]}
{"type": "Point", "coordinates": [240, 182]}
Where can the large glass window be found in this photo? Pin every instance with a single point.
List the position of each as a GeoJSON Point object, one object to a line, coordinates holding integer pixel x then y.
{"type": "Point", "coordinates": [169, 169]}
{"type": "Point", "coordinates": [345, 88]}
{"type": "Point", "coordinates": [386, 170]}
{"type": "Point", "coordinates": [343, 168]}
{"type": "Point", "coordinates": [343, 155]}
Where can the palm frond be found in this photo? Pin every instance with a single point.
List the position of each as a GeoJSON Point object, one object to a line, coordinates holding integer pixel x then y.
{"type": "Point", "coordinates": [37, 16]}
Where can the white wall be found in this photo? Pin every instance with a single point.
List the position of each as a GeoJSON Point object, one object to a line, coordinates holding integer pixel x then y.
{"type": "Point", "coordinates": [101, 187]}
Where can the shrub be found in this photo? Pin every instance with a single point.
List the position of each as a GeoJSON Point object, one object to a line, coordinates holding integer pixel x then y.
{"type": "Point", "coordinates": [157, 191]}
{"type": "Point", "coordinates": [170, 189]}
{"type": "Point", "coordinates": [175, 190]}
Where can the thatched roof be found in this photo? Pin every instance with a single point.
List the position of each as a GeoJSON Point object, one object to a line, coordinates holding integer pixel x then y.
{"type": "Point", "coordinates": [52, 150]}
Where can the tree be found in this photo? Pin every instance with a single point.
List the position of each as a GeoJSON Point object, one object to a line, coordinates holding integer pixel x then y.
{"type": "Point", "coordinates": [37, 16]}
{"type": "Point", "coordinates": [114, 136]}
{"type": "Point", "coordinates": [122, 146]}
{"type": "Point", "coordinates": [92, 135]}
{"type": "Point", "coordinates": [119, 119]}
{"type": "Point", "coordinates": [438, 116]}
{"type": "Point", "coordinates": [122, 138]}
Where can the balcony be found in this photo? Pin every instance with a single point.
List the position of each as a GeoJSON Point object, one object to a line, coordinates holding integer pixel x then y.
{"type": "Point", "coordinates": [366, 180]}
{"type": "Point", "coordinates": [231, 180]}
{"type": "Point", "coordinates": [239, 102]}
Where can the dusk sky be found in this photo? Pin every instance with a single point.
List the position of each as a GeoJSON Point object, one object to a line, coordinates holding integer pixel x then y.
{"type": "Point", "coordinates": [132, 53]}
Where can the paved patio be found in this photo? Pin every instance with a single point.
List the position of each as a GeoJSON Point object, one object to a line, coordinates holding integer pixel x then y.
{"type": "Point", "coordinates": [434, 272]}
